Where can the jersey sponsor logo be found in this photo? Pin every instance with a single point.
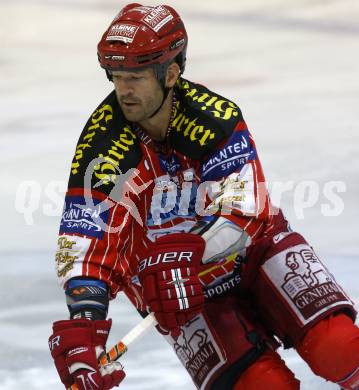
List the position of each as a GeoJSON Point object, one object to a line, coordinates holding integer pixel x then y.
{"type": "Point", "coordinates": [157, 18]}
{"type": "Point", "coordinates": [79, 218]}
{"type": "Point", "coordinates": [71, 250]}
{"type": "Point", "coordinates": [222, 276]}
{"type": "Point", "coordinates": [234, 155]}
{"type": "Point", "coordinates": [304, 282]}
{"type": "Point", "coordinates": [198, 351]}
{"type": "Point", "coordinates": [122, 32]}
{"type": "Point", "coordinates": [98, 122]}
{"type": "Point", "coordinates": [65, 255]}
{"type": "Point", "coordinates": [237, 192]}
{"type": "Point", "coordinates": [107, 168]}
{"type": "Point", "coordinates": [166, 257]}
{"type": "Point", "coordinates": [222, 287]}
{"type": "Point", "coordinates": [219, 107]}
{"type": "Point", "coordinates": [192, 129]}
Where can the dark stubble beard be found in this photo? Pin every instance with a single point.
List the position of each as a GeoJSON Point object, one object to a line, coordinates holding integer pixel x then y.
{"type": "Point", "coordinates": [139, 112]}
{"type": "Point", "coordinates": [142, 109]}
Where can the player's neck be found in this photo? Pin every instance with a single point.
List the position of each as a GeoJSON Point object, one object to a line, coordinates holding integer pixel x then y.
{"type": "Point", "coordinates": [156, 127]}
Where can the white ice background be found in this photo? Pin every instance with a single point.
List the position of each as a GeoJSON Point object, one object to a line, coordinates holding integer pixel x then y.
{"type": "Point", "coordinates": [292, 66]}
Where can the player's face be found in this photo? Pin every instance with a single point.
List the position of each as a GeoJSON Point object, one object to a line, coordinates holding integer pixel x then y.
{"type": "Point", "coordinates": [138, 92]}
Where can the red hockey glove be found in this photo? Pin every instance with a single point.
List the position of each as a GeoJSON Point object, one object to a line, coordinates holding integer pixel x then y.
{"type": "Point", "coordinates": [76, 346]}
{"type": "Point", "coordinates": [169, 277]}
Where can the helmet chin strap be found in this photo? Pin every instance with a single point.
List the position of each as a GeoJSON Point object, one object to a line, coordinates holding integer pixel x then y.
{"type": "Point", "coordinates": [166, 91]}
{"type": "Point", "coordinates": [161, 72]}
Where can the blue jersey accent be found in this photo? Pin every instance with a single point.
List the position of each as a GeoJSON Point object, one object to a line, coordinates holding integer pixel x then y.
{"type": "Point", "coordinates": [81, 218]}
{"type": "Point", "coordinates": [231, 157]}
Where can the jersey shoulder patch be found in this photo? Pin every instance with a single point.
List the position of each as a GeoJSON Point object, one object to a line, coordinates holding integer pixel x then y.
{"type": "Point", "coordinates": [202, 119]}
{"type": "Point", "coordinates": [107, 147]}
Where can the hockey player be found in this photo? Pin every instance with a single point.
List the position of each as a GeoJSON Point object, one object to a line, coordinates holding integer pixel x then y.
{"type": "Point", "coordinates": [167, 203]}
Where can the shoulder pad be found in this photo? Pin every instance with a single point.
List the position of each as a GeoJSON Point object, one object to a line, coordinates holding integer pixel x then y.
{"type": "Point", "coordinates": [107, 147]}
{"type": "Point", "coordinates": [202, 119]}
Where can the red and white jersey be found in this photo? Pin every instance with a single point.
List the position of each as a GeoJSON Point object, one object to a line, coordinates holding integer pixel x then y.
{"type": "Point", "coordinates": [125, 190]}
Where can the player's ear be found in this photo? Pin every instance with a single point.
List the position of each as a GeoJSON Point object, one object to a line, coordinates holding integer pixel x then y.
{"type": "Point", "coordinates": [173, 72]}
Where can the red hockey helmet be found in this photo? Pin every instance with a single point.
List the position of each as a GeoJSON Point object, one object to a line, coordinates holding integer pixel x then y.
{"type": "Point", "coordinates": [142, 36]}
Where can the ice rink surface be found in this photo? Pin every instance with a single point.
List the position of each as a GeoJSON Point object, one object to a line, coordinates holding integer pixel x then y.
{"type": "Point", "coordinates": [292, 66]}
